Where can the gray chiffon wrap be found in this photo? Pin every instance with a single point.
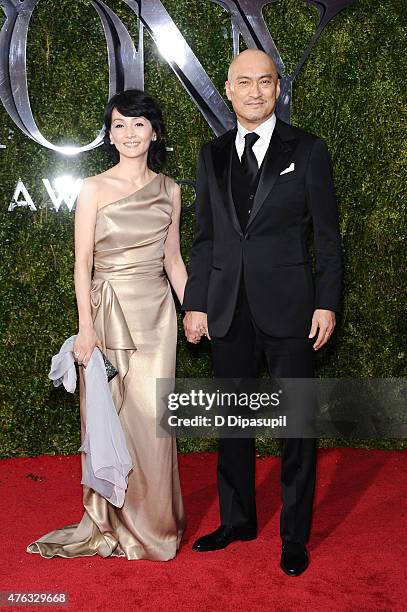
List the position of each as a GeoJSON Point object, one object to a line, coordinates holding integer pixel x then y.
{"type": "Point", "coordinates": [107, 462]}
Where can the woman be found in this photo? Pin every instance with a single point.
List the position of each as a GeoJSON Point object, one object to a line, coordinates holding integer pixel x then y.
{"type": "Point", "coordinates": [127, 230]}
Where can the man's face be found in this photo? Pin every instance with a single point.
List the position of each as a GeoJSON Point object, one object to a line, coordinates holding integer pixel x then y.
{"type": "Point", "coordinates": [253, 88]}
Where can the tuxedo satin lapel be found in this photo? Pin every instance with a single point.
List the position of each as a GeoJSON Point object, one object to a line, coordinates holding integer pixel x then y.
{"type": "Point", "coordinates": [277, 157]}
{"type": "Point", "coordinates": [222, 162]}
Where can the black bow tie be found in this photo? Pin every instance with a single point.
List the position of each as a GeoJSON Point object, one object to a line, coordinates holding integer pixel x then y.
{"type": "Point", "coordinates": [248, 160]}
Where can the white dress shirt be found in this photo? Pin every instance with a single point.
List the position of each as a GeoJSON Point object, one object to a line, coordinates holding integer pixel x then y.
{"type": "Point", "coordinates": [265, 131]}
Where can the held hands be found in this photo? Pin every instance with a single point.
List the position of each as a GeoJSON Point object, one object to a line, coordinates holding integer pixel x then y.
{"type": "Point", "coordinates": [323, 321]}
{"type": "Point", "coordinates": [195, 326]}
{"type": "Point", "coordinates": [85, 342]}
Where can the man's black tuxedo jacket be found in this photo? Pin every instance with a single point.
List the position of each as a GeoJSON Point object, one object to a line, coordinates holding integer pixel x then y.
{"type": "Point", "coordinates": [281, 288]}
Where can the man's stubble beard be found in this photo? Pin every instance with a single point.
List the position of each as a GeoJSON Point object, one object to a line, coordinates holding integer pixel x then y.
{"type": "Point", "coordinates": [258, 118]}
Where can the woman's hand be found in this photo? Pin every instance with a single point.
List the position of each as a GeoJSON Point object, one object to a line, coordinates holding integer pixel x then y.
{"type": "Point", "coordinates": [85, 342]}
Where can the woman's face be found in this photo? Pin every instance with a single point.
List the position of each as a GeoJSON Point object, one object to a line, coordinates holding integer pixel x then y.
{"type": "Point", "coordinates": [131, 135]}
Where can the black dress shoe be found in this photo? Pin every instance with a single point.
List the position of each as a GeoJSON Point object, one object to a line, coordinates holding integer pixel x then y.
{"type": "Point", "coordinates": [294, 558]}
{"type": "Point", "coordinates": [223, 536]}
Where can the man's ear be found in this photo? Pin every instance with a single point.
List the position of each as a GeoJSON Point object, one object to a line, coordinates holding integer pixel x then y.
{"type": "Point", "coordinates": [227, 89]}
{"type": "Point", "coordinates": [278, 88]}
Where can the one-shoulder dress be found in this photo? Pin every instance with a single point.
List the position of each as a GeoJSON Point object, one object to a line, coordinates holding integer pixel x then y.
{"type": "Point", "coordinates": [134, 316]}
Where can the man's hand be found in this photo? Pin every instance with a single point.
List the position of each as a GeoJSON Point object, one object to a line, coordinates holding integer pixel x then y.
{"type": "Point", "coordinates": [195, 326]}
{"type": "Point", "coordinates": [323, 321]}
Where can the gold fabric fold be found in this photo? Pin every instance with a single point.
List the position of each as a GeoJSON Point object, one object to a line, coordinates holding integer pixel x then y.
{"type": "Point", "coordinates": [111, 327]}
{"type": "Point", "coordinates": [134, 315]}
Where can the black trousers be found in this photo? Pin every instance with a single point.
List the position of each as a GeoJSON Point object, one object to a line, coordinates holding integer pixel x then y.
{"type": "Point", "coordinates": [239, 354]}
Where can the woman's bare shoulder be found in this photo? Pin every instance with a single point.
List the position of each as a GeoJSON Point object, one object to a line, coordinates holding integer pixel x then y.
{"type": "Point", "coordinates": [95, 186]}
{"type": "Point", "coordinates": [98, 181]}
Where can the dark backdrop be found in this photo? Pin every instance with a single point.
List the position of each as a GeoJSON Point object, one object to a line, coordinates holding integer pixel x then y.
{"type": "Point", "coordinates": [349, 92]}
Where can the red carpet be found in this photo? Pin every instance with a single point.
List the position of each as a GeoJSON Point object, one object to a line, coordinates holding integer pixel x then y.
{"type": "Point", "coordinates": [357, 550]}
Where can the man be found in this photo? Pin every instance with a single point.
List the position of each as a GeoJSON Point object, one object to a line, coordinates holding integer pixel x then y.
{"type": "Point", "coordinates": [260, 189]}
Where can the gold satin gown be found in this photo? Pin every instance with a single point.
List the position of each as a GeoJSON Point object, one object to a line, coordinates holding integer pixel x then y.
{"type": "Point", "coordinates": [134, 316]}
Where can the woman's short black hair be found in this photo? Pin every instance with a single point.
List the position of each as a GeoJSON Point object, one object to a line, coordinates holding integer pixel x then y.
{"type": "Point", "coordinates": [137, 103]}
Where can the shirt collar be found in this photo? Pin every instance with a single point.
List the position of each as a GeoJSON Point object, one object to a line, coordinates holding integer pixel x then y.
{"type": "Point", "coordinates": [264, 130]}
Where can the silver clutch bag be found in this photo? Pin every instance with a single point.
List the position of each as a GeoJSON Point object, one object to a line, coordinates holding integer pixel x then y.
{"type": "Point", "coordinates": [111, 371]}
